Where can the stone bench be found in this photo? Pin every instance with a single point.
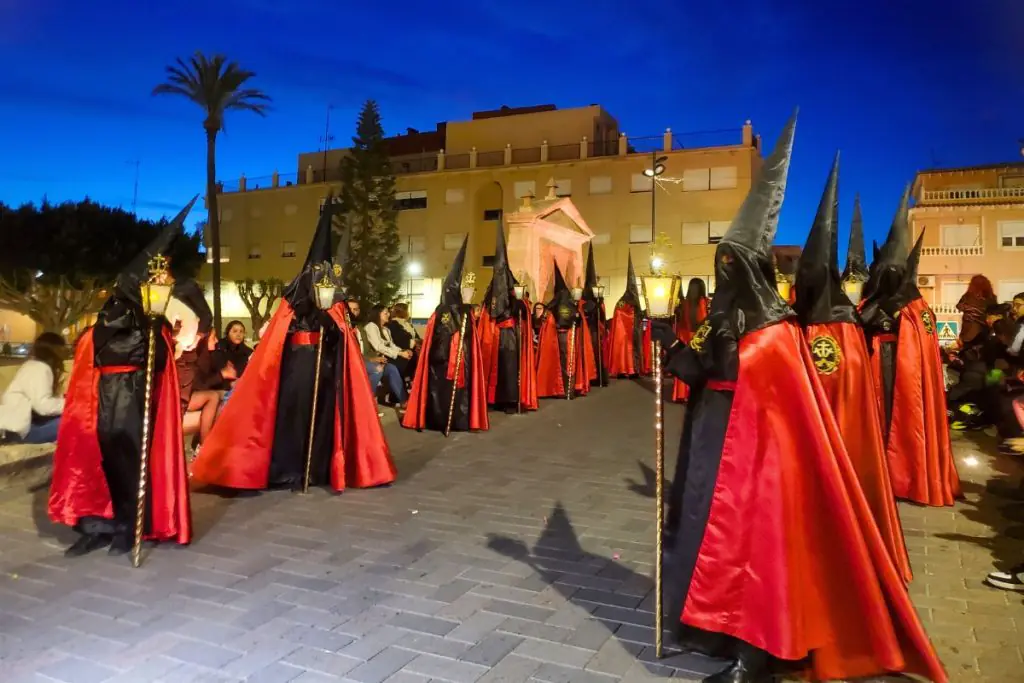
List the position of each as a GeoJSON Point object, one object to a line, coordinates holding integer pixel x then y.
{"type": "Point", "coordinates": [25, 464]}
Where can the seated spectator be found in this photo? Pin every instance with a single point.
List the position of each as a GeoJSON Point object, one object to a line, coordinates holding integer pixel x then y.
{"type": "Point", "coordinates": [31, 406]}
{"type": "Point", "coordinates": [378, 336]}
{"type": "Point", "coordinates": [377, 366]}
{"type": "Point", "coordinates": [405, 335]}
{"type": "Point", "coordinates": [230, 357]}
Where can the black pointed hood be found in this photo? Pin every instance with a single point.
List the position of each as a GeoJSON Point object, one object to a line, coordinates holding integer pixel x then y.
{"type": "Point", "coordinates": [819, 292]}
{"type": "Point", "coordinates": [299, 292]}
{"type": "Point", "coordinates": [632, 295]}
{"type": "Point", "coordinates": [451, 289]}
{"type": "Point", "coordinates": [500, 297]}
{"type": "Point", "coordinates": [129, 280]}
{"type": "Point", "coordinates": [561, 305]}
{"type": "Point", "coordinates": [890, 264]}
{"type": "Point", "coordinates": [745, 290]}
{"type": "Point", "coordinates": [590, 281]}
{"type": "Point", "coordinates": [856, 263]}
{"type": "Point", "coordinates": [908, 289]}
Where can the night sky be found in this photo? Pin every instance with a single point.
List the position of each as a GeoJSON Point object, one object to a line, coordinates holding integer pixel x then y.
{"type": "Point", "coordinates": [897, 86]}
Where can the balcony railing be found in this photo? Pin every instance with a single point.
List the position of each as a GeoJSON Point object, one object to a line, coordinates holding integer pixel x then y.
{"type": "Point", "coordinates": [544, 153]}
{"type": "Point", "coordinates": [946, 310]}
{"type": "Point", "coordinates": [977, 250]}
{"type": "Point", "coordinates": [977, 196]}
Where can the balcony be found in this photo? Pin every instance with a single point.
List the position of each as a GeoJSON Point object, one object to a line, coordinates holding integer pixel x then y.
{"type": "Point", "coordinates": [976, 250]}
{"type": "Point", "coordinates": [987, 195]}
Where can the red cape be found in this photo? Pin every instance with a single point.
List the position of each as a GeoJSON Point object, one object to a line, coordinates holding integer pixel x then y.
{"type": "Point", "coordinates": [237, 452]}
{"type": "Point", "coordinates": [843, 367]}
{"type": "Point", "coordinates": [681, 390]}
{"type": "Point", "coordinates": [620, 361]}
{"type": "Point", "coordinates": [792, 561]}
{"type": "Point", "coordinates": [550, 382]}
{"type": "Point", "coordinates": [490, 333]}
{"type": "Point", "coordinates": [79, 487]}
{"type": "Point", "coordinates": [920, 454]}
{"type": "Point", "coordinates": [416, 411]}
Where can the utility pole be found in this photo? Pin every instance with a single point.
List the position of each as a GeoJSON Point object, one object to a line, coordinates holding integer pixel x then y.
{"type": "Point", "coordinates": [135, 190]}
{"type": "Point", "coordinates": [326, 139]}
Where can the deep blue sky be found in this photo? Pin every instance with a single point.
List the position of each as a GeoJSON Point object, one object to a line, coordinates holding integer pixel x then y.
{"type": "Point", "coordinates": [896, 85]}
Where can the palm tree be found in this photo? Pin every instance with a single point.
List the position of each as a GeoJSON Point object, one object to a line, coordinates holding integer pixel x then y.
{"type": "Point", "coordinates": [216, 85]}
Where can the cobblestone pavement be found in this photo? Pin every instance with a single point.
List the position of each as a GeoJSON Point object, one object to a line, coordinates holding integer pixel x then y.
{"type": "Point", "coordinates": [521, 554]}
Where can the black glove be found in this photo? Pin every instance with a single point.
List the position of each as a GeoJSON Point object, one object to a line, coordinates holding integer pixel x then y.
{"type": "Point", "coordinates": [662, 332]}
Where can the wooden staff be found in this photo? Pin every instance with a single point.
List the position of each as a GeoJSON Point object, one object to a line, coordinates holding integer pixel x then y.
{"type": "Point", "coordinates": [458, 369]}
{"type": "Point", "coordinates": [519, 357]}
{"type": "Point", "coordinates": [659, 496]}
{"type": "Point", "coordinates": [140, 500]}
{"type": "Point", "coordinates": [312, 414]}
{"type": "Point", "coordinates": [570, 357]}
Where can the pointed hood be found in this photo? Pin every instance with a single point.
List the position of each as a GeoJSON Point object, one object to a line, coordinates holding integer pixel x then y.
{"type": "Point", "coordinates": [561, 305]}
{"type": "Point", "coordinates": [129, 280]}
{"type": "Point", "coordinates": [890, 264]}
{"type": "Point", "coordinates": [299, 293]}
{"type": "Point", "coordinates": [451, 289]}
{"type": "Point", "coordinates": [745, 291]}
{"type": "Point", "coordinates": [631, 296]}
{"type": "Point", "coordinates": [590, 281]}
{"type": "Point", "coordinates": [499, 299]}
{"type": "Point", "coordinates": [856, 263]}
{"type": "Point", "coordinates": [908, 290]}
{"type": "Point", "coordinates": [819, 293]}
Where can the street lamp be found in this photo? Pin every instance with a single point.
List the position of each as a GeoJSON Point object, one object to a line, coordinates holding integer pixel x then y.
{"type": "Point", "coordinates": [656, 169]}
{"type": "Point", "coordinates": [414, 269]}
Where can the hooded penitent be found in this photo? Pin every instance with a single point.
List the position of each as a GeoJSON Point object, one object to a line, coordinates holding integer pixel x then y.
{"type": "Point", "coordinates": [843, 366]}
{"type": "Point", "coordinates": [856, 272]}
{"type": "Point", "coordinates": [443, 369]}
{"type": "Point", "coordinates": [909, 377]}
{"type": "Point", "coordinates": [97, 462]}
{"type": "Point", "coordinates": [626, 342]}
{"type": "Point", "coordinates": [564, 341]}
{"type": "Point", "coordinates": [261, 438]}
{"type": "Point", "coordinates": [692, 311]}
{"type": "Point", "coordinates": [593, 310]}
{"type": "Point", "coordinates": [506, 339]}
{"type": "Point", "coordinates": [774, 552]}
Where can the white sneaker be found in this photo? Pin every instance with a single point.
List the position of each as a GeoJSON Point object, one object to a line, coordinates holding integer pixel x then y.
{"type": "Point", "coordinates": [1012, 580]}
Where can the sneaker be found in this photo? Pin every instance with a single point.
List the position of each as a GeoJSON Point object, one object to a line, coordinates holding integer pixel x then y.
{"type": "Point", "coordinates": [1012, 580]}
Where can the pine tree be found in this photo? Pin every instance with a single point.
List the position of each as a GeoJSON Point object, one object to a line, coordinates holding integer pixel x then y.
{"type": "Point", "coordinates": [373, 273]}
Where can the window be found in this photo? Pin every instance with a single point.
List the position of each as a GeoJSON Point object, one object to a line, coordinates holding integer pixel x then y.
{"type": "Point", "coordinates": [255, 252]}
{"type": "Point", "coordinates": [488, 261]}
{"type": "Point", "coordinates": [696, 179]}
{"type": "Point", "coordinates": [723, 178]}
{"type": "Point", "coordinates": [695, 233]}
{"type": "Point", "coordinates": [1007, 289]}
{"type": "Point", "coordinates": [960, 235]}
{"type": "Point", "coordinates": [415, 199]}
{"type": "Point", "coordinates": [717, 230]}
{"type": "Point", "coordinates": [413, 287]}
{"type": "Point", "coordinates": [417, 245]}
{"type": "Point", "coordinates": [638, 182]}
{"type": "Point", "coordinates": [1011, 181]}
{"type": "Point", "coordinates": [492, 214]}
{"type": "Point", "coordinates": [288, 249]}
{"type": "Point", "coordinates": [600, 184]}
{"type": "Point", "coordinates": [563, 187]}
{"type": "Point", "coordinates": [225, 254]}
{"type": "Point", "coordinates": [454, 195]}
{"type": "Point", "coordinates": [525, 187]}
{"type": "Point", "coordinates": [640, 234]}
{"type": "Point", "coordinates": [1011, 234]}
{"type": "Point", "coordinates": [952, 291]}
{"type": "Point", "coordinates": [453, 240]}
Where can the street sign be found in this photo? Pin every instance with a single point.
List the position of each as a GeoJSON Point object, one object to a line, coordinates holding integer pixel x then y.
{"type": "Point", "coordinates": [948, 330]}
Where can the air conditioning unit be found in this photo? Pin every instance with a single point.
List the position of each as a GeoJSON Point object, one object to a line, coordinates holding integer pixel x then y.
{"type": "Point", "coordinates": [925, 280]}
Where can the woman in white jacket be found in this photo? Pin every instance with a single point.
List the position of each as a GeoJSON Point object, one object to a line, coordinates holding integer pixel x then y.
{"type": "Point", "coordinates": [31, 406]}
{"type": "Point", "coordinates": [378, 337]}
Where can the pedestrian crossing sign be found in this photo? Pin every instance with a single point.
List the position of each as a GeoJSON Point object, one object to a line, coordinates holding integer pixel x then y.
{"type": "Point", "coordinates": [949, 330]}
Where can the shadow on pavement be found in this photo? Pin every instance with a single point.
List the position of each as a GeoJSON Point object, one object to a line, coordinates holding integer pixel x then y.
{"type": "Point", "coordinates": [646, 488]}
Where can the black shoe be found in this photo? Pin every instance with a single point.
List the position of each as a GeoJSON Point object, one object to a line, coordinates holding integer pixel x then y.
{"type": "Point", "coordinates": [87, 543]}
{"type": "Point", "coordinates": [121, 544]}
{"type": "Point", "coordinates": [738, 672]}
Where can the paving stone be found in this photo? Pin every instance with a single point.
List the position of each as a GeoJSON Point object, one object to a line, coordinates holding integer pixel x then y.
{"type": "Point", "coordinates": [445, 669]}
{"type": "Point", "coordinates": [203, 654]}
{"type": "Point", "coordinates": [423, 624]}
{"type": "Point", "coordinates": [555, 673]}
{"type": "Point", "coordinates": [386, 663]}
{"type": "Point", "coordinates": [321, 661]}
{"type": "Point", "coordinates": [556, 653]}
{"type": "Point", "coordinates": [492, 649]}
{"type": "Point", "coordinates": [274, 673]}
{"type": "Point", "coordinates": [78, 670]}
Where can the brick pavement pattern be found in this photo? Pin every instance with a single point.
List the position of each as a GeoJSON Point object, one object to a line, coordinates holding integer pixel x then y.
{"type": "Point", "coordinates": [523, 554]}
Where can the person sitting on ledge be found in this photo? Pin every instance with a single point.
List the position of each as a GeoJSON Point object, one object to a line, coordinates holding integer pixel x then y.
{"type": "Point", "coordinates": [31, 406]}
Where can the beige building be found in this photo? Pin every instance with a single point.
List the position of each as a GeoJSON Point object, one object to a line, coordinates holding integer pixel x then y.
{"type": "Point", "coordinates": [974, 224]}
{"type": "Point", "coordinates": [462, 177]}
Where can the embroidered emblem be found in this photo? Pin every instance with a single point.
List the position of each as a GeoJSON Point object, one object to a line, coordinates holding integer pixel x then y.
{"type": "Point", "coordinates": [446, 318]}
{"type": "Point", "coordinates": [826, 354]}
{"type": "Point", "coordinates": [886, 325]}
{"type": "Point", "coordinates": [929, 324]}
{"type": "Point", "coordinates": [700, 336]}
{"type": "Point", "coordinates": [564, 312]}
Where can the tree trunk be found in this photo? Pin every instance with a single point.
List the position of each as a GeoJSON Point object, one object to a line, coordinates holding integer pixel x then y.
{"type": "Point", "coordinates": [213, 221]}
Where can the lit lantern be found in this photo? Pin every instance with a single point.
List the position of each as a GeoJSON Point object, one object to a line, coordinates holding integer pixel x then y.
{"type": "Point", "coordinates": [854, 289]}
{"type": "Point", "coordinates": [468, 287]}
{"type": "Point", "coordinates": [661, 294]}
{"type": "Point", "coordinates": [156, 291]}
{"type": "Point", "coordinates": [577, 293]}
{"type": "Point", "coordinates": [519, 291]}
{"type": "Point", "coordinates": [325, 290]}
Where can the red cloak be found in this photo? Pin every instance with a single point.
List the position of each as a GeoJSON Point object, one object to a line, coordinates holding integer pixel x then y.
{"type": "Point", "coordinates": [79, 487]}
{"type": "Point", "coordinates": [621, 359]}
{"type": "Point", "coordinates": [680, 389]}
{"type": "Point", "coordinates": [843, 366]}
{"type": "Point", "coordinates": [237, 452]}
{"type": "Point", "coordinates": [550, 381]}
{"type": "Point", "coordinates": [920, 454]}
{"type": "Point", "coordinates": [791, 560]}
{"type": "Point", "coordinates": [416, 411]}
{"type": "Point", "coordinates": [490, 332]}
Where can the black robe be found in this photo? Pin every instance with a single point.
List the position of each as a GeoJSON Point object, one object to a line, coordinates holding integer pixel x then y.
{"type": "Point", "coordinates": [594, 312]}
{"type": "Point", "coordinates": [447, 324]}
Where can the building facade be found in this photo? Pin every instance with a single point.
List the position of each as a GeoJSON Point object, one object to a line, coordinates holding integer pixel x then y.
{"type": "Point", "coordinates": [464, 176]}
{"type": "Point", "coordinates": [973, 220]}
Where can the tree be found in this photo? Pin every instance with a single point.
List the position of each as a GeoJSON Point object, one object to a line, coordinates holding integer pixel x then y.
{"type": "Point", "coordinates": [216, 85]}
{"type": "Point", "coordinates": [374, 269]}
{"type": "Point", "coordinates": [57, 261]}
{"type": "Point", "coordinates": [259, 296]}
